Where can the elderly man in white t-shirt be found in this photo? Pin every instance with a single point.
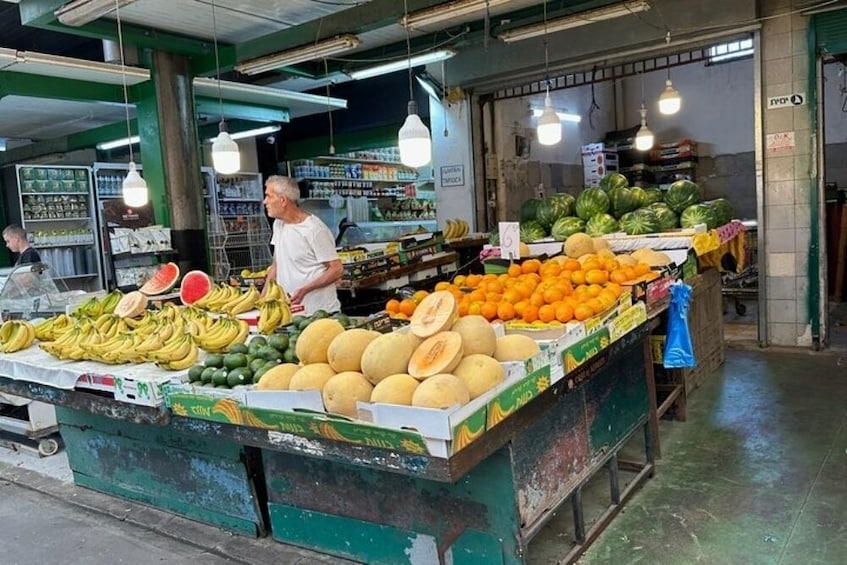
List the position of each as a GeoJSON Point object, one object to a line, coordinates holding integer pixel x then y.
{"type": "Point", "coordinates": [305, 261]}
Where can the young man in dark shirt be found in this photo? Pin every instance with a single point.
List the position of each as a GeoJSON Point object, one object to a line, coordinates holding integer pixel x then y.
{"type": "Point", "coordinates": [16, 241]}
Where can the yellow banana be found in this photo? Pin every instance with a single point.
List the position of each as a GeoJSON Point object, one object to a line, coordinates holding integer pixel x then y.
{"type": "Point", "coordinates": [187, 361]}
{"type": "Point", "coordinates": [245, 303]}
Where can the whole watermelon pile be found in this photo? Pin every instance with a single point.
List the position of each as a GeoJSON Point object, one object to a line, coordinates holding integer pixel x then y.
{"type": "Point", "coordinates": [615, 206]}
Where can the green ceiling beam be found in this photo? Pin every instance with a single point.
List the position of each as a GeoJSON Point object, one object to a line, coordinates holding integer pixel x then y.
{"type": "Point", "coordinates": [39, 14]}
{"type": "Point", "coordinates": [39, 86]}
{"type": "Point", "coordinates": [359, 19]}
{"type": "Point", "coordinates": [237, 110]}
{"type": "Point", "coordinates": [92, 137]}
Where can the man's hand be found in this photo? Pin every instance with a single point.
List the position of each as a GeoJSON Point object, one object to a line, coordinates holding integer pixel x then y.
{"type": "Point", "coordinates": [298, 295]}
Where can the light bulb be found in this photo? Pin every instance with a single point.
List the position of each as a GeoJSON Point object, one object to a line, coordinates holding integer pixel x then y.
{"type": "Point", "coordinates": [669, 100]}
{"type": "Point", "coordinates": [549, 128]}
{"type": "Point", "coordinates": [226, 157]}
{"type": "Point", "coordinates": [413, 139]}
{"type": "Point", "coordinates": [134, 188]}
{"type": "Point", "coordinates": [644, 137]}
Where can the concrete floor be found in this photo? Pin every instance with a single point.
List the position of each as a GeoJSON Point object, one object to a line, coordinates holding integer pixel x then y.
{"type": "Point", "coordinates": [755, 476]}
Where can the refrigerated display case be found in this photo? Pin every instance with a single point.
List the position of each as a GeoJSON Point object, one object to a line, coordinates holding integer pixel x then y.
{"type": "Point", "coordinates": [56, 208]}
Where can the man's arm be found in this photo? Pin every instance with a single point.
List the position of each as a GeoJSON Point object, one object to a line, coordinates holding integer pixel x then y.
{"type": "Point", "coordinates": [331, 274]}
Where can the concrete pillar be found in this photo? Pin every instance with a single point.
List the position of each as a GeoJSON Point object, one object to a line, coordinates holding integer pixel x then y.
{"type": "Point", "coordinates": [172, 153]}
{"type": "Point", "coordinates": [788, 174]}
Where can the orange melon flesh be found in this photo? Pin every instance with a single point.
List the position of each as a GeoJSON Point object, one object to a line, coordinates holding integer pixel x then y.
{"type": "Point", "coordinates": [131, 305]}
{"type": "Point", "coordinates": [435, 313]}
{"type": "Point", "coordinates": [437, 354]}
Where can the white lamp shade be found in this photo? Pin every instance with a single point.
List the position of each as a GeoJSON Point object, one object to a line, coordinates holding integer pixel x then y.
{"type": "Point", "coordinates": [669, 100]}
{"type": "Point", "coordinates": [134, 188]}
{"type": "Point", "coordinates": [415, 143]}
{"type": "Point", "coordinates": [644, 138]}
{"type": "Point", "coordinates": [226, 158]}
{"type": "Point", "coordinates": [549, 128]}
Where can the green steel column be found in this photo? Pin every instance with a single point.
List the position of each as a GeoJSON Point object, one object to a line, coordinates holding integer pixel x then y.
{"type": "Point", "coordinates": [171, 156]}
{"type": "Point", "coordinates": [814, 274]}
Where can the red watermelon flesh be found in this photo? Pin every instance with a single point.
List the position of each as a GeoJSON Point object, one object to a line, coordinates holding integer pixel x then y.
{"type": "Point", "coordinates": [164, 280]}
{"type": "Point", "coordinates": [195, 285]}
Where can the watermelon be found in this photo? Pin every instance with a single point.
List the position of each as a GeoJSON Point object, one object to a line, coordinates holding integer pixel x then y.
{"type": "Point", "coordinates": [566, 203]}
{"type": "Point", "coordinates": [622, 201]}
{"type": "Point", "coordinates": [681, 195]}
{"type": "Point", "coordinates": [550, 210]}
{"type": "Point", "coordinates": [639, 196]}
{"type": "Point", "coordinates": [590, 202]}
{"type": "Point", "coordinates": [566, 227]}
{"type": "Point", "coordinates": [601, 224]}
{"type": "Point", "coordinates": [532, 231]}
{"type": "Point", "coordinates": [640, 222]}
{"type": "Point", "coordinates": [722, 209]}
{"type": "Point", "coordinates": [698, 214]}
{"type": "Point", "coordinates": [529, 209]}
{"type": "Point", "coordinates": [164, 280]}
{"type": "Point", "coordinates": [653, 194]}
{"type": "Point", "coordinates": [613, 180]}
{"type": "Point", "coordinates": [194, 286]}
{"type": "Point", "coordinates": [667, 219]}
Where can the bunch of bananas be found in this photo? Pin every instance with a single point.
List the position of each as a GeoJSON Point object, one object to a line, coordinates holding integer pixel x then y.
{"type": "Point", "coordinates": [456, 229]}
{"type": "Point", "coordinates": [218, 298]}
{"type": "Point", "coordinates": [94, 307]}
{"type": "Point", "coordinates": [54, 327]}
{"type": "Point", "coordinates": [70, 344]}
{"type": "Point", "coordinates": [244, 303]}
{"type": "Point", "coordinates": [220, 335]}
{"type": "Point", "coordinates": [273, 314]}
{"type": "Point", "coordinates": [248, 274]}
{"type": "Point", "coordinates": [16, 335]}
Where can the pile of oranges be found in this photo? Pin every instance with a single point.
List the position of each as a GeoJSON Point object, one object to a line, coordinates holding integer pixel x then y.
{"type": "Point", "coordinates": [560, 289]}
{"type": "Point", "coordinates": [403, 309]}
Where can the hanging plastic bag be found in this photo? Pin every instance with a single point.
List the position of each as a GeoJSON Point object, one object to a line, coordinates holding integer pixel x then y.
{"type": "Point", "coordinates": [679, 352]}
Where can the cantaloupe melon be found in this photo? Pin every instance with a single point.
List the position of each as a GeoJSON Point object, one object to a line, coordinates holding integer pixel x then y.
{"type": "Point", "coordinates": [477, 335]}
{"type": "Point", "coordinates": [523, 249]}
{"type": "Point", "coordinates": [600, 243]}
{"type": "Point", "coordinates": [625, 260]}
{"type": "Point", "coordinates": [277, 377]}
{"type": "Point", "coordinates": [342, 391]}
{"type": "Point", "coordinates": [605, 254]}
{"type": "Point", "coordinates": [441, 391]}
{"type": "Point", "coordinates": [313, 343]}
{"type": "Point", "coordinates": [395, 389]}
{"type": "Point", "coordinates": [578, 244]}
{"type": "Point", "coordinates": [515, 347]}
{"type": "Point", "coordinates": [311, 377]}
{"type": "Point", "coordinates": [131, 305]}
{"type": "Point", "coordinates": [388, 354]}
{"type": "Point", "coordinates": [435, 313]}
{"type": "Point", "coordinates": [437, 354]}
{"type": "Point", "coordinates": [345, 350]}
{"type": "Point", "coordinates": [480, 373]}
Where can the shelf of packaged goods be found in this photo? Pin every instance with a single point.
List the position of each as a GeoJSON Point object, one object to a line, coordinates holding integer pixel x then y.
{"type": "Point", "coordinates": [52, 193]}
{"type": "Point", "coordinates": [80, 219]}
{"type": "Point", "coordinates": [363, 161]}
{"type": "Point", "coordinates": [319, 199]}
{"type": "Point", "coordinates": [239, 199]}
{"type": "Point", "coordinates": [60, 245]}
{"type": "Point", "coordinates": [359, 179]}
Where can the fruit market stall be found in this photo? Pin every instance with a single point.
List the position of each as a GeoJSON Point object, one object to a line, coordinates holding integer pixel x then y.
{"type": "Point", "coordinates": [443, 410]}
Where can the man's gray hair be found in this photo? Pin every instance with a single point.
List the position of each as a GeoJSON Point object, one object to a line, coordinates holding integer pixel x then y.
{"type": "Point", "coordinates": [15, 230]}
{"type": "Point", "coordinates": [285, 186]}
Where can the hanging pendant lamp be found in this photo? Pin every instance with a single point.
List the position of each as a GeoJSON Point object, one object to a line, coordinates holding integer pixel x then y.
{"type": "Point", "coordinates": [669, 100]}
{"type": "Point", "coordinates": [549, 128]}
{"type": "Point", "coordinates": [226, 157]}
{"type": "Point", "coordinates": [413, 138]}
{"type": "Point", "coordinates": [644, 138]}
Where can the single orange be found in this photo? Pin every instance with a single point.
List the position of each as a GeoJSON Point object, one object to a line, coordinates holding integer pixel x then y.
{"type": "Point", "coordinates": [618, 276]}
{"type": "Point", "coordinates": [582, 312]}
{"type": "Point", "coordinates": [472, 281]}
{"type": "Point", "coordinates": [512, 296]}
{"type": "Point", "coordinates": [546, 313]}
{"type": "Point", "coordinates": [596, 276]}
{"type": "Point", "coordinates": [489, 310]}
{"type": "Point", "coordinates": [578, 277]}
{"type": "Point", "coordinates": [530, 313]}
{"type": "Point", "coordinates": [564, 313]}
{"type": "Point", "coordinates": [407, 306]}
{"type": "Point", "coordinates": [614, 288]}
{"type": "Point", "coordinates": [523, 289]}
{"type": "Point", "coordinates": [595, 304]}
{"type": "Point", "coordinates": [520, 306]}
{"type": "Point", "coordinates": [611, 265]}
{"type": "Point", "coordinates": [442, 285]}
{"type": "Point", "coordinates": [572, 265]}
{"type": "Point", "coordinates": [553, 294]}
{"type": "Point", "coordinates": [493, 286]}
{"type": "Point", "coordinates": [392, 306]}
{"type": "Point", "coordinates": [475, 308]}
{"type": "Point", "coordinates": [478, 295]}
{"type": "Point", "coordinates": [463, 307]}
{"type": "Point", "coordinates": [530, 266]}
{"type": "Point", "coordinates": [592, 264]}
{"type": "Point", "coordinates": [505, 311]}
{"type": "Point", "coordinates": [459, 280]}
{"type": "Point", "coordinates": [420, 295]}
{"type": "Point", "coordinates": [515, 270]}
{"type": "Point", "coordinates": [641, 269]}
{"type": "Point", "coordinates": [537, 299]}
{"type": "Point", "coordinates": [493, 297]}
{"type": "Point", "coordinates": [594, 290]}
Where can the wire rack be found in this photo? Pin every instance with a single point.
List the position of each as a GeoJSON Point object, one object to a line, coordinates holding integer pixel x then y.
{"type": "Point", "coordinates": [238, 244]}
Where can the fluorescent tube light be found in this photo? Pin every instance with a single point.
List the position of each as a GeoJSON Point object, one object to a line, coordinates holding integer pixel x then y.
{"type": "Point", "coordinates": [250, 133]}
{"type": "Point", "coordinates": [115, 143]}
{"type": "Point", "coordinates": [564, 116]}
{"type": "Point", "coordinates": [416, 61]}
{"type": "Point", "coordinates": [446, 12]}
{"type": "Point", "coordinates": [80, 12]}
{"type": "Point", "coordinates": [575, 20]}
{"type": "Point", "coordinates": [318, 50]}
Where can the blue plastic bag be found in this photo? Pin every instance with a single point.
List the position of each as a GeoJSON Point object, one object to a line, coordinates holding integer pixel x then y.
{"type": "Point", "coordinates": [679, 352]}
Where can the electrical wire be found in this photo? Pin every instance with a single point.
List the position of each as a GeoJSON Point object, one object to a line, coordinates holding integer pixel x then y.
{"type": "Point", "coordinates": [217, 60]}
{"type": "Point", "coordinates": [408, 48]}
{"type": "Point", "coordinates": [123, 72]}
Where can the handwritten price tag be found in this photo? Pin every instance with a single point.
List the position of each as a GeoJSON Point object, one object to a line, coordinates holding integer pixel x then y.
{"type": "Point", "coordinates": [510, 240]}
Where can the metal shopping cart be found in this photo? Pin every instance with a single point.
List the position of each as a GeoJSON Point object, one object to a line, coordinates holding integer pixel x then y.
{"type": "Point", "coordinates": [744, 283]}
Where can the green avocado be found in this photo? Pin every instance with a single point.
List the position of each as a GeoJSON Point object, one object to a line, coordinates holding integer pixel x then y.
{"type": "Point", "coordinates": [278, 342]}
{"type": "Point", "coordinates": [214, 360]}
{"type": "Point", "coordinates": [239, 376]}
{"type": "Point", "coordinates": [239, 348]}
{"type": "Point", "coordinates": [219, 377]}
{"type": "Point", "coordinates": [235, 360]}
{"type": "Point", "coordinates": [195, 372]}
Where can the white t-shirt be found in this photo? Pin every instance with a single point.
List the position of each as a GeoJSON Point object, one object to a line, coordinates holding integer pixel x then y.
{"type": "Point", "coordinates": [300, 251]}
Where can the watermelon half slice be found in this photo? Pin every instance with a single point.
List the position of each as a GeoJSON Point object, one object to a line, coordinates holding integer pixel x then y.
{"type": "Point", "coordinates": [164, 280]}
{"type": "Point", "coordinates": [194, 286]}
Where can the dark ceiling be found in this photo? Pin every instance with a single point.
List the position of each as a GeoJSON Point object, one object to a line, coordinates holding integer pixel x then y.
{"type": "Point", "coordinates": [15, 36]}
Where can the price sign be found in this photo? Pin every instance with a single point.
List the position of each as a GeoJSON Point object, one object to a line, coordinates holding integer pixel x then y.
{"type": "Point", "coordinates": [510, 240]}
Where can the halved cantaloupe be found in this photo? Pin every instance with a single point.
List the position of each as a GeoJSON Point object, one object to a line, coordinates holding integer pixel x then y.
{"type": "Point", "coordinates": [313, 343]}
{"type": "Point", "coordinates": [436, 313]}
{"type": "Point", "coordinates": [132, 304]}
{"type": "Point", "coordinates": [342, 391]}
{"type": "Point", "coordinates": [388, 354]}
{"type": "Point", "coordinates": [437, 354]}
{"type": "Point", "coordinates": [515, 347]}
{"type": "Point", "coordinates": [441, 391]}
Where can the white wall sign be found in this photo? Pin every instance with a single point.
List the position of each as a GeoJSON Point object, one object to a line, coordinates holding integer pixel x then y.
{"type": "Point", "coordinates": [782, 142]}
{"type": "Point", "coordinates": [510, 240]}
{"type": "Point", "coordinates": [453, 175]}
{"type": "Point", "coordinates": [796, 99]}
